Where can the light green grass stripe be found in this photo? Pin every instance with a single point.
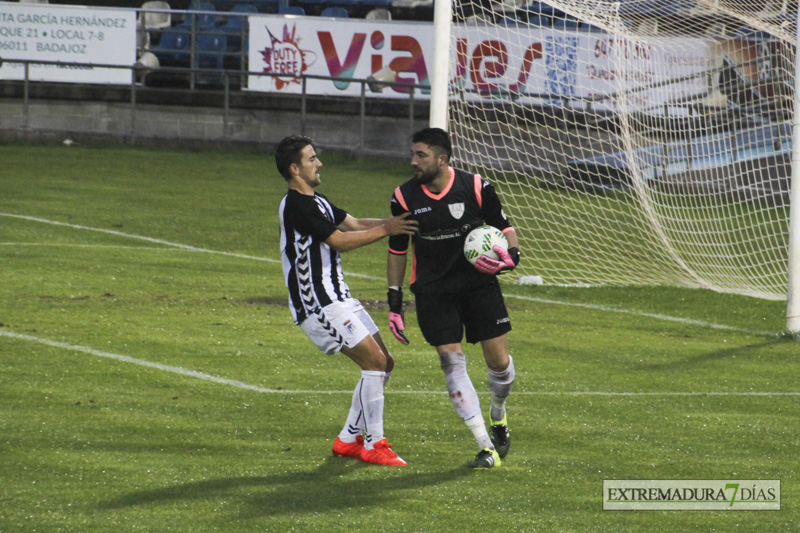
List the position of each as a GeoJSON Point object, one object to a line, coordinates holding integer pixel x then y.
{"type": "Point", "coordinates": [76, 245]}
{"type": "Point", "coordinates": [656, 316]}
{"type": "Point", "coordinates": [594, 307]}
{"type": "Point", "coordinates": [601, 308]}
{"type": "Point", "coordinates": [246, 386]}
{"type": "Point", "coordinates": [156, 241]}
{"type": "Point", "coordinates": [139, 237]}
{"type": "Point", "coordinates": [135, 361]}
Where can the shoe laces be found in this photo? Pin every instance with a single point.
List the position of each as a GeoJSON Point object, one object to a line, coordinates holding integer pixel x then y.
{"type": "Point", "coordinates": [484, 456]}
{"type": "Point", "coordinates": [500, 430]}
{"type": "Point", "coordinates": [383, 447]}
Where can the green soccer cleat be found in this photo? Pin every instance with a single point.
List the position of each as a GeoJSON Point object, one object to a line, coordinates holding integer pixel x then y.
{"type": "Point", "coordinates": [501, 437]}
{"type": "Point", "coordinates": [486, 458]}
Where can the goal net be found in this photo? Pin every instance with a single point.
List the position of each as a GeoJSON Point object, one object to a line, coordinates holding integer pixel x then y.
{"type": "Point", "coordinates": [643, 142]}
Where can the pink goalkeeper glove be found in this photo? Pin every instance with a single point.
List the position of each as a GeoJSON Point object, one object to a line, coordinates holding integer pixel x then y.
{"type": "Point", "coordinates": [487, 265]}
{"type": "Point", "coordinates": [397, 326]}
{"type": "Point", "coordinates": [395, 296]}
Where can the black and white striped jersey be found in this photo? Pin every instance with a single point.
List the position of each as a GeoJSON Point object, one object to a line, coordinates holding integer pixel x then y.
{"type": "Point", "coordinates": [312, 270]}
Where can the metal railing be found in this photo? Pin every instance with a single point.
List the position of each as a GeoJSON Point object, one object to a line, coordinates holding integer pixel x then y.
{"type": "Point", "coordinates": [138, 71]}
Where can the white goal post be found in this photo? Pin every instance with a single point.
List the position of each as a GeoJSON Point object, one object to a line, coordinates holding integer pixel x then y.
{"type": "Point", "coordinates": [637, 142]}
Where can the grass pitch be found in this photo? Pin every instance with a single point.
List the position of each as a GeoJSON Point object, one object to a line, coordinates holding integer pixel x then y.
{"type": "Point", "coordinates": [151, 378]}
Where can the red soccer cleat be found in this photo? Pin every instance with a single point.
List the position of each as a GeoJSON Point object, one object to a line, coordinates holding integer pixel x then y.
{"type": "Point", "coordinates": [382, 454]}
{"type": "Point", "coordinates": [349, 449]}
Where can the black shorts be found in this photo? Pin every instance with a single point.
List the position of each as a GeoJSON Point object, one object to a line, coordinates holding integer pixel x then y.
{"type": "Point", "coordinates": [481, 312]}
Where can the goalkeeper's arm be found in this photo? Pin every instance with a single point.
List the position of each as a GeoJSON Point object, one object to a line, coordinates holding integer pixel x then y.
{"type": "Point", "coordinates": [395, 273]}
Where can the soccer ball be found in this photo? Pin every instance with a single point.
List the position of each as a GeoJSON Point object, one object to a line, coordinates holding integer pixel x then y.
{"type": "Point", "coordinates": [481, 240]}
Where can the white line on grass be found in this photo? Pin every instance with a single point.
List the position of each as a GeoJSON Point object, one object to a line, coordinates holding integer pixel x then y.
{"type": "Point", "coordinates": [685, 321]}
{"type": "Point", "coordinates": [133, 360]}
{"type": "Point", "coordinates": [139, 237]}
{"type": "Point", "coordinates": [157, 241]}
{"type": "Point", "coordinates": [77, 245]}
{"type": "Point", "coordinates": [246, 386]}
{"type": "Point", "coordinates": [656, 316]}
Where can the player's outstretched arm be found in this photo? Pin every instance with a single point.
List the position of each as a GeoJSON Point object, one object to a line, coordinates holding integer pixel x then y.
{"type": "Point", "coordinates": [394, 225]}
{"type": "Point", "coordinates": [401, 225]}
{"type": "Point", "coordinates": [361, 232]}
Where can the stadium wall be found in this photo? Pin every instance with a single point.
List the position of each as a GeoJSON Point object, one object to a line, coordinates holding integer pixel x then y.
{"type": "Point", "coordinates": [184, 118]}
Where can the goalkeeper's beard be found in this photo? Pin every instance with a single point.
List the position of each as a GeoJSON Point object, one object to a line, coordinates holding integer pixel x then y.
{"type": "Point", "coordinates": [422, 177]}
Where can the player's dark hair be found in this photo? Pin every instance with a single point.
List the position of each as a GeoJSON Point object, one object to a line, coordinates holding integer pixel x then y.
{"type": "Point", "coordinates": [436, 138]}
{"type": "Point", "coordinates": [289, 151]}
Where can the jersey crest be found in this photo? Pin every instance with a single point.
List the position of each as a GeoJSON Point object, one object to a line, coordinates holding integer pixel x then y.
{"type": "Point", "coordinates": [456, 209]}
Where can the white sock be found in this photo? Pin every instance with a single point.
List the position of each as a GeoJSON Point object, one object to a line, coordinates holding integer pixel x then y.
{"type": "Point", "coordinates": [462, 392]}
{"type": "Point", "coordinates": [478, 428]}
{"type": "Point", "coordinates": [371, 399]}
{"type": "Point", "coordinates": [354, 426]}
{"type": "Point", "coordinates": [500, 384]}
{"type": "Point", "coordinates": [355, 419]}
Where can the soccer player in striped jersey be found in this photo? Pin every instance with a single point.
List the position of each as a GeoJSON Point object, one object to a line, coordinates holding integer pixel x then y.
{"type": "Point", "coordinates": [453, 296]}
{"type": "Point", "coordinates": [313, 234]}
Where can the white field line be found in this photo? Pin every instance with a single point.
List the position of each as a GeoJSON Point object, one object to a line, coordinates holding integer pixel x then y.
{"type": "Point", "coordinates": [656, 316]}
{"type": "Point", "coordinates": [133, 360]}
{"type": "Point", "coordinates": [156, 241]}
{"type": "Point", "coordinates": [246, 386]}
{"type": "Point", "coordinates": [78, 245]}
{"type": "Point", "coordinates": [133, 236]}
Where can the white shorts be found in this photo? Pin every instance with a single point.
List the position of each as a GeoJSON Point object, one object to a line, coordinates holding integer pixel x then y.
{"type": "Point", "coordinates": [339, 324]}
